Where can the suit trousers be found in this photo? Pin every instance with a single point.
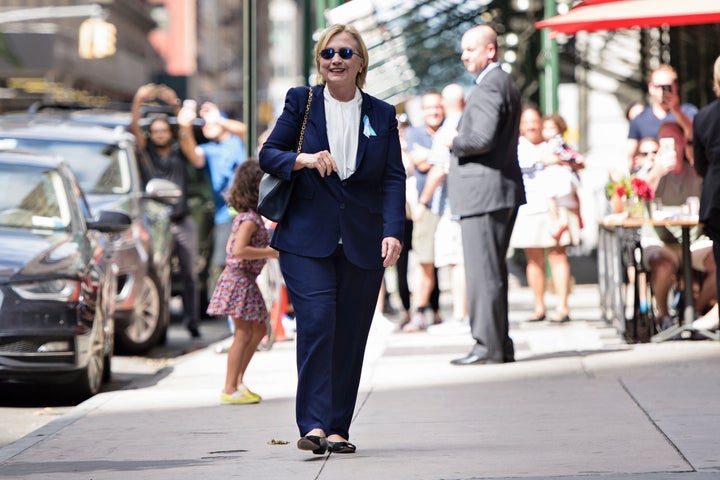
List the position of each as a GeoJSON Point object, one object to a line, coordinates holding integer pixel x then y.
{"type": "Point", "coordinates": [184, 233]}
{"type": "Point", "coordinates": [486, 239]}
{"type": "Point", "coordinates": [334, 303]}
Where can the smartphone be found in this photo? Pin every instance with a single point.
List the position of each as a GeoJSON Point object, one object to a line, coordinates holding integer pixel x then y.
{"type": "Point", "coordinates": [190, 104]}
{"type": "Point", "coordinates": [666, 153]}
{"type": "Point", "coordinates": [667, 144]}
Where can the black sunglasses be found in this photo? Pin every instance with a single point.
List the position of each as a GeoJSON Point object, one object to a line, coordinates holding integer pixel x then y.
{"type": "Point", "coordinates": [345, 53]}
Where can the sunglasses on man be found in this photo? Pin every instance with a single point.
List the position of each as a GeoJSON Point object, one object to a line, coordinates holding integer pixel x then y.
{"type": "Point", "coordinates": [345, 53]}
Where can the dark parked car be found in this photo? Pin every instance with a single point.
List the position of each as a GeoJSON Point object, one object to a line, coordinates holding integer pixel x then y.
{"type": "Point", "coordinates": [57, 276]}
{"type": "Point", "coordinates": [114, 175]}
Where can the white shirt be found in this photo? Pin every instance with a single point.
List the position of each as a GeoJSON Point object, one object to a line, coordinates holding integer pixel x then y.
{"type": "Point", "coordinates": [485, 71]}
{"type": "Point", "coordinates": [342, 121]}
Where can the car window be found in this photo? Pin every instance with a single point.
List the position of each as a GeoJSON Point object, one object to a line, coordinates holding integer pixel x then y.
{"type": "Point", "coordinates": [99, 167]}
{"type": "Point", "coordinates": [32, 199]}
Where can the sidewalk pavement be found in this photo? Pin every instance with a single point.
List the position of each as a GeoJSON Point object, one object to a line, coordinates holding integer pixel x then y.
{"type": "Point", "coordinates": [578, 404]}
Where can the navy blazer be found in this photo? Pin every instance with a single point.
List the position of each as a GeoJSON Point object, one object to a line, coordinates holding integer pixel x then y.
{"type": "Point", "coordinates": [363, 209]}
{"type": "Point", "coordinates": [706, 145]}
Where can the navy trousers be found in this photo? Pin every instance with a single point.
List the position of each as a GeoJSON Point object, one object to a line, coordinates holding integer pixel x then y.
{"type": "Point", "coordinates": [334, 303]}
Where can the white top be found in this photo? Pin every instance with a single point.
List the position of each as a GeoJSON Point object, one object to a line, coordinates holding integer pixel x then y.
{"type": "Point", "coordinates": [343, 127]}
{"type": "Point", "coordinates": [529, 156]}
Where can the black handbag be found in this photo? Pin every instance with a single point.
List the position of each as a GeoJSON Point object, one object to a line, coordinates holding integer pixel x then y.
{"type": "Point", "coordinates": [274, 194]}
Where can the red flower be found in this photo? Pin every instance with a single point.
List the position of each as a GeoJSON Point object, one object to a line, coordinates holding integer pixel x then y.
{"type": "Point", "coordinates": [642, 189]}
{"type": "Point", "coordinates": [620, 190]}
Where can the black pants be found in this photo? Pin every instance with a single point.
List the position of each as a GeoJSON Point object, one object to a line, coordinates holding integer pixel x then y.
{"type": "Point", "coordinates": [712, 230]}
{"type": "Point", "coordinates": [184, 233]}
{"type": "Point", "coordinates": [402, 266]}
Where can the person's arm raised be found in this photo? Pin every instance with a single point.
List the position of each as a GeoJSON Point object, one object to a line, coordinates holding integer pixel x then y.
{"type": "Point", "coordinates": [186, 138]}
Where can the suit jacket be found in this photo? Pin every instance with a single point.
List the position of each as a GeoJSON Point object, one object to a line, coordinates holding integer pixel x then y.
{"type": "Point", "coordinates": [484, 173]}
{"type": "Point", "coordinates": [362, 209]}
{"type": "Point", "coordinates": [706, 145]}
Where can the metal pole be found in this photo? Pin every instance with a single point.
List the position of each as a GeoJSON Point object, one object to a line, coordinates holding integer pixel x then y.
{"type": "Point", "coordinates": [320, 7]}
{"type": "Point", "coordinates": [551, 71]}
{"type": "Point", "coordinates": [307, 41]}
{"type": "Point", "coordinates": [250, 75]}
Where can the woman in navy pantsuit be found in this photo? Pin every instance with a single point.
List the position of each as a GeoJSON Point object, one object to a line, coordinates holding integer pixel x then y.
{"type": "Point", "coordinates": [343, 226]}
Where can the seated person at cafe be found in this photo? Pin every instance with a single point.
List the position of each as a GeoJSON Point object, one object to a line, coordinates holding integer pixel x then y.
{"type": "Point", "coordinates": [644, 158]}
{"type": "Point", "coordinates": [673, 180]}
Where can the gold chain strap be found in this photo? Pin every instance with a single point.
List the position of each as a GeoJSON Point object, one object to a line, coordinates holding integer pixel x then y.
{"type": "Point", "coordinates": [307, 111]}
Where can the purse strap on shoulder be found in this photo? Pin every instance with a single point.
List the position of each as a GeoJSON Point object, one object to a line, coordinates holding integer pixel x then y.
{"type": "Point", "coordinates": [307, 112]}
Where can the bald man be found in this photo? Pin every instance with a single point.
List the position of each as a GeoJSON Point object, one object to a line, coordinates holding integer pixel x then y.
{"type": "Point", "coordinates": [486, 190]}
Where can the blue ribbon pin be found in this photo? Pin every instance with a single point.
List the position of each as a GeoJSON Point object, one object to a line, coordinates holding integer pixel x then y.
{"type": "Point", "coordinates": [367, 128]}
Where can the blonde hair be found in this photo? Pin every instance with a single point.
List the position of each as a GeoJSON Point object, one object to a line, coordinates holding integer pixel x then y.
{"type": "Point", "coordinates": [716, 77]}
{"type": "Point", "coordinates": [324, 39]}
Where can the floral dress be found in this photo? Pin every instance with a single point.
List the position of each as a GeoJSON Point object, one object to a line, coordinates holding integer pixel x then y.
{"type": "Point", "coordinates": [236, 292]}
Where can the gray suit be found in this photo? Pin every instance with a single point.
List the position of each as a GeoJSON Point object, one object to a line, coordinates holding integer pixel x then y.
{"type": "Point", "coordinates": [486, 189]}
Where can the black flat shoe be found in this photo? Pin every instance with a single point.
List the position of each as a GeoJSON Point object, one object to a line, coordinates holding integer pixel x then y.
{"type": "Point", "coordinates": [317, 444]}
{"type": "Point", "coordinates": [563, 319]}
{"type": "Point", "coordinates": [539, 318]}
{"type": "Point", "coordinates": [341, 447]}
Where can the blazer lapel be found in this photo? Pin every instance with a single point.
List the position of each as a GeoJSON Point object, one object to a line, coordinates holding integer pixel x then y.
{"type": "Point", "coordinates": [318, 119]}
{"type": "Point", "coordinates": [365, 110]}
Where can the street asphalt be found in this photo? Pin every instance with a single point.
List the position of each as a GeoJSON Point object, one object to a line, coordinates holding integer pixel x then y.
{"type": "Point", "coordinates": [578, 404]}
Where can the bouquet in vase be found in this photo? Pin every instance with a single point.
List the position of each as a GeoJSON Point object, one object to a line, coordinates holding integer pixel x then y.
{"type": "Point", "coordinates": [628, 193]}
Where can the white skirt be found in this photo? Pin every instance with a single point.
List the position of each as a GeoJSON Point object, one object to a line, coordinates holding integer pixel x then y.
{"type": "Point", "coordinates": [534, 230]}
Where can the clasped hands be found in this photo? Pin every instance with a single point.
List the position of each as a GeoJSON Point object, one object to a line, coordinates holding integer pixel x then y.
{"type": "Point", "coordinates": [322, 161]}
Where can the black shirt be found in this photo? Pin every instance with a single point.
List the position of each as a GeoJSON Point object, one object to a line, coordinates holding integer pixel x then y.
{"type": "Point", "coordinates": [174, 168]}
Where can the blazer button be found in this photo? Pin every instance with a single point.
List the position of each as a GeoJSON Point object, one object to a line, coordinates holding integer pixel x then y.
{"type": "Point", "coordinates": [342, 206]}
{"type": "Point", "coordinates": [344, 184]}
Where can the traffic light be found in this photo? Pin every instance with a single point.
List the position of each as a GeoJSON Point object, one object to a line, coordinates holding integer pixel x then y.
{"type": "Point", "coordinates": [97, 38]}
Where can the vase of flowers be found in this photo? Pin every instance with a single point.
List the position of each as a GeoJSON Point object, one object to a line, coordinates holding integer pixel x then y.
{"type": "Point", "coordinates": [630, 195]}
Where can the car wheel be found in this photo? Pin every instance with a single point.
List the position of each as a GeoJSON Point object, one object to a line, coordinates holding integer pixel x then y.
{"type": "Point", "coordinates": [145, 326]}
{"type": "Point", "coordinates": [90, 378]}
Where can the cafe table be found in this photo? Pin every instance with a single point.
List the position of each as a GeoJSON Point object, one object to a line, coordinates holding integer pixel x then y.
{"type": "Point", "coordinates": [611, 271]}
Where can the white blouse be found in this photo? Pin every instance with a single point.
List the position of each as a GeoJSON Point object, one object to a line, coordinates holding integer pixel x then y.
{"type": "Point", "coordinates": [342, 121]}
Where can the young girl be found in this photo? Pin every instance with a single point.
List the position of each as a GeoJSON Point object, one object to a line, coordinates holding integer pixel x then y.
{"type": "Point", "coordinates": [561, 175]}
{"type": "Point", "coordinates": [236, 293]}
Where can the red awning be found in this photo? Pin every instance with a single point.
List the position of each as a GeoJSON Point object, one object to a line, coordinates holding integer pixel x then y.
{"type": "Point", "coordinates": [616, 14]}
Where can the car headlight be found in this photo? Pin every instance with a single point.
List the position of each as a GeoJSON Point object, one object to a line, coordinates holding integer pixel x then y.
{"type": "Point", "coordinates": [58, 289]}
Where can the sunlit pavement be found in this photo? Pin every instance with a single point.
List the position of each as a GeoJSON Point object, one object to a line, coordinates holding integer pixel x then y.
{"type": "Point", "coordinates": [578, 403]}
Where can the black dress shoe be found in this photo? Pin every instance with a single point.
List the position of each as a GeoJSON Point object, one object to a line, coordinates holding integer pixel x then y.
{"type": "Point", "coordinates": [341, 447]}
{"type": "Point", "coordinates": [317, 444]}
{"type": "Point", "coordinates": [473, 359]}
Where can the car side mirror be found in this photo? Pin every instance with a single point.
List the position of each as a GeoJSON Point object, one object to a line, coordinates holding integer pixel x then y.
{"type": "Point", "coordinates": [163, 191]}
{"type": "Point", "coordinates": [110, 221]}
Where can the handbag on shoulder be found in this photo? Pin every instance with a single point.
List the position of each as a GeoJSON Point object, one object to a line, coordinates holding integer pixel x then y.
{"type": "Point", "coordinates": [274, 194]}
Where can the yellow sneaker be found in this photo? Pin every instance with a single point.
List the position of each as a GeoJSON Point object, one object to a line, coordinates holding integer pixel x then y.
{"type": "Point", "coordinates": [244, 397]}
{"type": "Point", "coordinates": [242, 386]}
